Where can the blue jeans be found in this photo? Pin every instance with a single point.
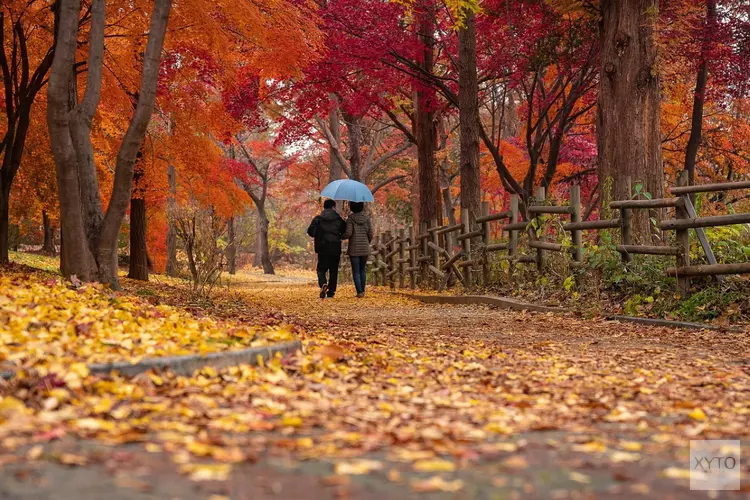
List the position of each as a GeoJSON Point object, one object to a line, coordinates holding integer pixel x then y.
{"type": "Point", "coordinates": [359, 272]}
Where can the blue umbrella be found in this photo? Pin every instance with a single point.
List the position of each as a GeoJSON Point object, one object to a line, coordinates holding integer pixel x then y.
{"type": "Point", "coordinates": [347, 189]}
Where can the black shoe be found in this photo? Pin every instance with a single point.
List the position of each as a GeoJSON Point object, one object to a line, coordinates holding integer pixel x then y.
{"type": "Point", "coordinates": [323, 291]}
{"type": "Point", "coordinates": [330, 295]}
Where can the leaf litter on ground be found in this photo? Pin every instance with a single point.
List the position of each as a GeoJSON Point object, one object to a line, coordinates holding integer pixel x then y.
{"type": "Point", "coordinates": [437, 387]}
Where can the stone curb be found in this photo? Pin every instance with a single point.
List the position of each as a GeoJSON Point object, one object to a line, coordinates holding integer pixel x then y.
{"type": "Point", "coordinates": [186, 365]}
{"type": "Point", "coordinates": [517, 305]}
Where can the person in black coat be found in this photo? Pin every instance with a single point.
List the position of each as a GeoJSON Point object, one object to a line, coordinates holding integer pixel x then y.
{"type": "Point", "coordinates": [327, 229]}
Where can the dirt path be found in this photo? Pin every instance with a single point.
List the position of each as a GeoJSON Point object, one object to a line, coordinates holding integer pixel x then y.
{"type": "Point", "coordinates": [456, 401]}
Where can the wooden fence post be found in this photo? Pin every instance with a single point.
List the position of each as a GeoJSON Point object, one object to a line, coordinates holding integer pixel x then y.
{"type": "Point", "coordinates": [683, 242]}
{"type": "Point", "coordinates": [576, 234]}
{"type": "Point", "coordinates": [486, 242]}
{"type": "Point", "coordinates": [384, 252]}
{"type": "Point", "coordinates": [627, 239]}
{"type": "Point", "coordinates": [468, 278]}
{"type": "Point", "coordinates": [412, 259]}
{"type": "Point", "coordinates": [540, 196]}
{"type": "Point", "coordinates": [376, 259]}
{"type": "Point", "coordinates": [401, 258]}
{"type": "Point", "coordinates": [513, 236]}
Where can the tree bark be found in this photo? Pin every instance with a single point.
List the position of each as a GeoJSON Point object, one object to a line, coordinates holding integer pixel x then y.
{"type": "Point", "coordinates": [48, 246]}
{"type": "Point", "coordinates": [4, 225]}
{"type": "Point", "coordinates": [171, 228]}
{"type": "Point", "coordinates": [424, 117]}
{"type": "Point", "coordinates": [263, 250]}
{"type": "Point", "coordinates": [468, 103]}
{"type": "Point", "coordinates": [231, 247]}
{"type": "Point", "coordinates": [20, 95]}
{"type": "Point", "coordinates": [629, 108]}
{"type": "Point", "coordinates": [335, 128]}
{"type": "Point", "coordinates": [699, 96]}
{"type": "Point", "coordinates": [91, 246]}
{"type": "Point", "coordinates": [131, 144]}
{"type": "Point", "coordinates": [138, 251]}
{"type": "Point", "coordinates": [354, 133]}
{"type": "Point", "coordinates": [76, 259]}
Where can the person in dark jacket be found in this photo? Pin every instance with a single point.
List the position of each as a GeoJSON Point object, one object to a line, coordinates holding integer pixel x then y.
{"type": "Point", "coordinates": [327, 229]}
{"type": "Point", "coordinates": [359, 233]}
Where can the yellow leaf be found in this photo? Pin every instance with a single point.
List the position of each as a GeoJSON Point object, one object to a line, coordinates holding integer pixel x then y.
{"type": "Point", "coordinates": [291, 422]}
{"type": "Point", "coordinates": [515, 462]}
{"type": "Point", "coordinates": [624, 456]}
{"type": "Point", "coordinates": [357, 467]}
{"type": "Point", "coordinates": [199, 449]}
{"type": "Point", "coordinates": [590, 447]}
{"type": "Point", "coordinates": [35, 452]}
{"type": "Point", "coordinates": [207, 472]}
{"type": "Point", "coordinates": [435, 465]}
{"type": "Point", "coordinates": [676, 473]}
{"type": "Point", "coordinates": [71, 459]}
{"type": "Point", "coordinates": [631, 445]}
{"type": "Point", "coordinates": [437, 483]}
{"type": "Point", "coordinates": [698, 415]}
{"type": "Point", "coordinates": [94, 424]}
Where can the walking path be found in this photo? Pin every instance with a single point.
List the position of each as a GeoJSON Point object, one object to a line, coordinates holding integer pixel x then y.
{"type": "Point", "coordinates": [396, 399]}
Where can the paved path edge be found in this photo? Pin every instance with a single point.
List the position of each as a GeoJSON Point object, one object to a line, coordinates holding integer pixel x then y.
{"type": "Point", "coordinates": [187, 364]}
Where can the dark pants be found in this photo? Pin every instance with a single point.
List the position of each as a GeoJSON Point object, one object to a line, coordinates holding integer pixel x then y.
{"type": "Point", "coordinates": [359, 272]}
{"type": "Point", "coordinates": [329, 264]}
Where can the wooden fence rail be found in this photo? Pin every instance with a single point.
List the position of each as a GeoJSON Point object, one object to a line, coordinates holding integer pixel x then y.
{"type": "Point", "coordinates": [462, 253]}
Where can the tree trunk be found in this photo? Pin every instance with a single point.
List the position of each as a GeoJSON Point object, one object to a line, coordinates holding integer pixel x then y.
{"type": "Point", "coordinates": [138, 251]}
{"type": "Point", "coordinates": [48, 246]}
{"type": "Point", "coordinates": [76, 259]}
{"type": "Point", "coordinates": [335, 126]}
{"type": "Point", "coordinates": [424, 117]}
{"type": "Point", "coordinates": [131, 144]}
{"type": "Point", "coordinates": [4, 225]}
{"type": "Point", "coordinates": [629, 134]}
{"type": "Point", "coordinates": [263, 250]}
{"type": "Point", "coordinates": [231, 247]}
{"type": "Point", "coordinates": [468, 103]}
{"type": "Point", "coordinates": [354, 132]}
{"type": "Point", "coordinates": [699, 96]}
{"type": "Point", "coordinates": [91, 247]}
{"type": "Point", "coordinates": [171, 228]}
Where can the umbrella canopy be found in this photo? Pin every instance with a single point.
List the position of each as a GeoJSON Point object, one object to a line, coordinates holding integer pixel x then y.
{"type": "Point", "coordinates": [347, 189]}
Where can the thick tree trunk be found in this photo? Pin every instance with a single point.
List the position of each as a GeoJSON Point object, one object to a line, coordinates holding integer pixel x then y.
{"type": "Point", "coordinates": [76, 260]}
{"type": "Point", "coordinates": [335, 127]}
{"type": "Point", "coordinates": [699, 96]}
{"type": "Point", "coordinates": [468, 103]}
{"type": "Point", "coordinates": [91, 247]}
{"type": "Point", "coordinates": [231, 247]}
{"type": "Point", "coordinates": [171, 228]}
{"type": "Point", "coordinates": [131, 144]}
{"type": "Point", "coordinates": [263, 250]}
{"type": "Point", "coordinates": [4, 225]}
{"type": "Point", "coordinates": [48, 246]}
{"type": "Point", "coordinates": [354, 150]}
{"type": "Point", "coordinates": [629, 134]}
{"type": "Point", "coordinates": [424, 118]}
{"type": "Point", "coordinates": [138, 251]}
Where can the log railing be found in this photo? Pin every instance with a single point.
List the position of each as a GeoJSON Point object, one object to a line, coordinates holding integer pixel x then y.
{"type": "Point", "coordinates": [442, 255]}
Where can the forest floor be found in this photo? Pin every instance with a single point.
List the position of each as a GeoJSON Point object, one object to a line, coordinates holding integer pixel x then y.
{"type": "Point", "coordinates": [388, 399]}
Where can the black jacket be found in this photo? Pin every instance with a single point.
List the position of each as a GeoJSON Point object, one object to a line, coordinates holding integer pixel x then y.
{"type": "Point", "coordinates": [327, 229]}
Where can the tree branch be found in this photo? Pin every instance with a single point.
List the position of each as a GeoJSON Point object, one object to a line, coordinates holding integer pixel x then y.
{"type": "Point", "coordinates": [387, 181]}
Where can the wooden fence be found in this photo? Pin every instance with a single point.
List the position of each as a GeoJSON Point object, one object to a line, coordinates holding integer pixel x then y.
{"type": "Point", "coordinates": [442, 255]}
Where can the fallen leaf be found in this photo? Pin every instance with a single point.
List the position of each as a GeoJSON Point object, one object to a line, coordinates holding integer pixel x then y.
{"type": "Point", "coordinates": [437, 483]}
{"type": "Point", "coordinates": [434, 465]}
